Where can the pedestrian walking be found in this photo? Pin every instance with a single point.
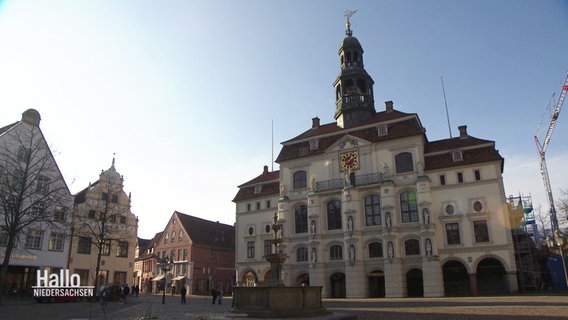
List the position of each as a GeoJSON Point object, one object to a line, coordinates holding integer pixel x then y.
{"type": "Point", "coordinates": [137, 290]}
{"type": "Point", "coordinates": [214, 295]}
{"type": "Point", "coordinates": [183, 292]}
{"type": "Point", "coordinates": [219, 296]}
{"type": "Point", "coordinates": [125, 292]}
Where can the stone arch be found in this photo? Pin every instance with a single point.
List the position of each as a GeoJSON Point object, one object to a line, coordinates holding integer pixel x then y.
{"type": "Point", "coordinates": [456, 278]}
{"type": "Point", "coordinates": [303, 279]}
{"type": "Point", "coordinates": [376, 279]}
{"type": "Point", "coordinates": [337, 285]}
{"type": "Point", "coordinates": [414, 283]}
{"type": "Point", "coordinates": [491, 276]}
{"type": "Point", "coordinates": [249, 278]}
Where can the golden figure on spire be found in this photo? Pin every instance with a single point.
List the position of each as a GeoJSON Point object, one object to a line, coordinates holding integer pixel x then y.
{"type": "Point", "coordinates": [348, 14]}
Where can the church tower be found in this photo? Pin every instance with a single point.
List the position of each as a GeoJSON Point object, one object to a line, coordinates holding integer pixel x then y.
{"type": "Point", "coordinates": [354, 99]}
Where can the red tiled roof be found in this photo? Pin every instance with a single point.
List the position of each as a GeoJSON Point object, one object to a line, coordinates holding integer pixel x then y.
{"type": "Point", "coordinates": [333, 127]}
{"type": "Point", "coordinates": [437, 154]}
{"type": "Point", "coordinates": [270, 185]}
{"type": "Point", "coordinates": [208, 233]}
{"type": "Point", "coordinates": [152, 244]}
{"type": "Point", "coordinates": [396, 130]}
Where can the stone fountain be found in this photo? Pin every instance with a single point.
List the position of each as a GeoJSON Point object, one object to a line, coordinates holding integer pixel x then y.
{"type": "Point", "coordinates": [274, 299]}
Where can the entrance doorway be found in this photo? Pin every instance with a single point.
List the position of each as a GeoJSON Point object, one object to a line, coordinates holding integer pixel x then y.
{"type": "Point", "coordinates": [337, 285]}
{"type": "Point", "coordinates": [414, 283]}
{"type": "Point", "coordinates": [376, 284]}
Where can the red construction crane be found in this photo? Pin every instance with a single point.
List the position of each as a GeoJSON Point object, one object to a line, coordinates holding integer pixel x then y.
{"type": "Point", "coordinates": [542, 150]}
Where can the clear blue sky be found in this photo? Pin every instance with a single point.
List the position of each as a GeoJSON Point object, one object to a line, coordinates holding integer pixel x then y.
{"type": "Point", "coordinates": [184, 92]}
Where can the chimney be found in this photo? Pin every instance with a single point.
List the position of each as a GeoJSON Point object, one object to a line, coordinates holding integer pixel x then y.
{"type": "Point", "coordinates": [388, 105]}
{"type": "Point", "coordinates": [315, 123]}
{"type": "Point", "coordinates": [463, 131]}
{"type": "Point", "coordinates": [265, 169]}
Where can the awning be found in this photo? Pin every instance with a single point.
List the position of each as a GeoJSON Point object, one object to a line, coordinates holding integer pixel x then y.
{"type": "Point", "coordinates": [158, 278]}
{"type": "Point", "coordinates": [178, 278]}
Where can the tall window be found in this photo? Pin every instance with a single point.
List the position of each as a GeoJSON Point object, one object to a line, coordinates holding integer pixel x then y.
{"type": "Point", "coordinates": [442, 180]}
{"type": "Point", "coordinates": [180, 235]}
{"type": "Point", "coordinates": [334, 215]}
{"type": "Point", "coordinates": [301, 218]}
{"type": "Point", "coordinates": [336, 252]}
{"type": "Point", "coordinates": [119, 277]}
{"type": "Point", "coordinates": [403, 162]}
{"type": "Point", "coordinates": [481, 231]}
{"type": "Point", "coordinates": [59, 214]}
{"type": "Point", "coordinates": [453, 233]}
{"type": "Point", "coordinates": [84, 245]}
{"type": "Point", "coordinates": [375, 250]}
{"type": "Point", "coordinates": [408, 206]}
{"type": "Point", "coordinates": [173, 236]}
{"type": "Point", "coordinates": [122, 249]}
{"type": "Point", "coordinates": [250, 249]}
{"type": "Point", "coordinates": [477, 175]}
{"type": "Point", "coordinates": [372, 210]}
{"type": "Point", "coordinates": [33, 239]}
{"type": "Point", "coordinates": [412, 247]}
{"type": "Point", "coordinates": [300, 180]}
{"type": "Point", "coordinates": [302, 254]}
{"type": "Point", "coordinates": [23, 154]}
{"type": "Point", "coordinates": [3, 238]}
{"type": "Point", "coordinates": [56, 241]}
{"type": "Point", "coordinates": [460, 177]}
{"type": "Point", "coordinates": [105, 247]}
{"type": "Point", "coordinates": [267, 247]}
{"type": "Point", "coordinates": [42, 185]}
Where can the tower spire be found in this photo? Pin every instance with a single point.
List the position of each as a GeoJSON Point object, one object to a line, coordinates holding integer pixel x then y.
{"type": "Point", "coordinates": [354, 98]}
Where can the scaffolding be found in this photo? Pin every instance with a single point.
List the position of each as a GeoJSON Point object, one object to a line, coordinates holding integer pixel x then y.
{"type": "Point", "coordinates": [525, 239]}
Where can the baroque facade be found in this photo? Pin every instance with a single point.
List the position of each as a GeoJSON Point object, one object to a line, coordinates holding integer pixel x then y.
{"type": "Point", "coordinates": [105, 232]}
{"type": "Point", "coordinates": [371, 208]}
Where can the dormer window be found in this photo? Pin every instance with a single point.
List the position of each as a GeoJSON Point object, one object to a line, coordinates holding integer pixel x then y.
{"type": "Point", "coordinates": [457, 155]}
{"type": "Point", "coordinates": [314, 143]}
{"type": "Point", "coordinates": [382, 131]}
{"type": "Point", "coordinates": [257, 189]}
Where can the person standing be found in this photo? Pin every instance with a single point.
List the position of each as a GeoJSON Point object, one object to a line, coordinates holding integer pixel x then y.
{"type": "Point", "coordinates": [214, 295]}
{"type": "Point", "coordinates": [183, 292]}
{"type": "Point", "coordinates": [219, 295]}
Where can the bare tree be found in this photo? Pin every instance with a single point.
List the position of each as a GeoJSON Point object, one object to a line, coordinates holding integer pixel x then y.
{"type": "Point", "coordinates": [103, 218]}
{"type": "Point", "coordinates": [563, 209]}
{"type": "Point", "coordinates": [33, 194]}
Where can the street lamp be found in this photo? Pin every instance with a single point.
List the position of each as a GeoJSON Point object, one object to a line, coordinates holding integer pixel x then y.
{"type": "Point", "coordinates": [558, 240]}
{"type": "Point", "coordinates": [165, 265]}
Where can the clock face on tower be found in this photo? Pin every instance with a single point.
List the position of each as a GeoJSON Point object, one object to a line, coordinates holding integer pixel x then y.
{"type": "Point", "coordinates": [349, 160]}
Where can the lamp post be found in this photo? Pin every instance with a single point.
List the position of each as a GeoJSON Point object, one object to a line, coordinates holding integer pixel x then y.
{"type": "Point", "coordinates": [165, 265]}
{"type": "Point", "coordinates": [558, 240]}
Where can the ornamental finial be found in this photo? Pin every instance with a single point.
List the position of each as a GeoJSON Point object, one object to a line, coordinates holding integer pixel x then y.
{"type": "Point", "coordinates": [348, 14]}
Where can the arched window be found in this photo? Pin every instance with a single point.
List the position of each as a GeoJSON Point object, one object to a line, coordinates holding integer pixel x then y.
{"type": "Point", "coordinates": [336, 252]}
{"type": "Point", "coordinates": [300, 180]}
{"type": "Point", "coordinates": [166, 239]}
{"type": "Point", "coordinates": [375, 250]}
{"type": "Point", "coordinates": [334, 215]}
{"type": "Point", "coordinates": [301, 218]}
{"type": "Point", "coordinates": [302, 254]}
{"type": "Point", "coordinates": [408, 206]}
{"type": "Point", "coordinates": [412, 247]}
{"type": "Point", "coordinates": [173, 236]}
{"type": "Point", "coordinates": [180, 235]}
{"type": "Point", "coordinates": [404, 162]}
{"type": "Point", "coordinates": [372, 210]}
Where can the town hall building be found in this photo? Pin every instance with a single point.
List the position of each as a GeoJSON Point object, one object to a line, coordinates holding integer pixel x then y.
{"type": "Point", "coordinates": [371, 208]}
